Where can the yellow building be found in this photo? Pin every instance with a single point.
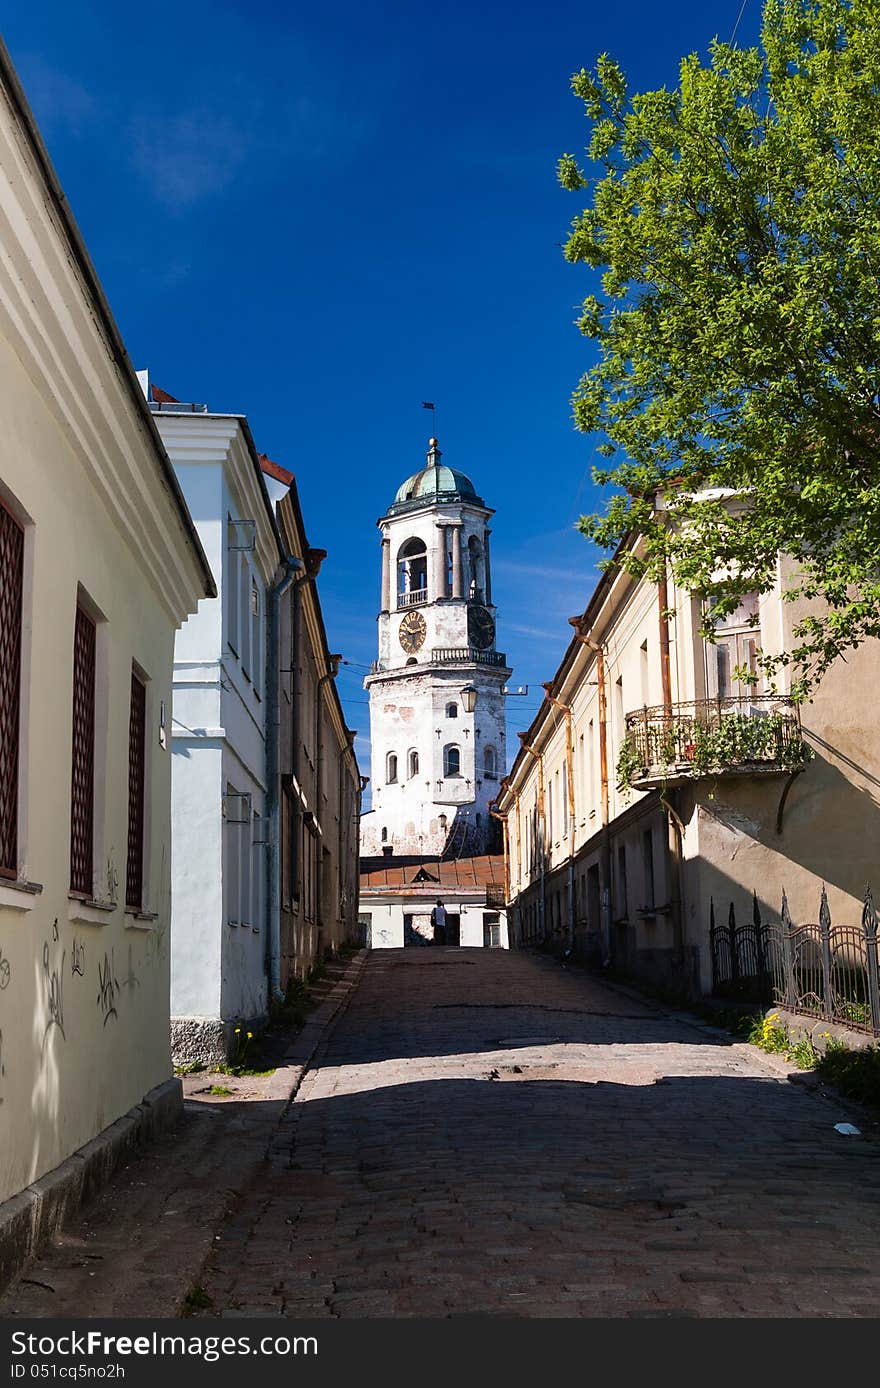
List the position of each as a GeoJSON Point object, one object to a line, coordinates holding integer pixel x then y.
{"type": "Point", "coordinates": [651, 789]}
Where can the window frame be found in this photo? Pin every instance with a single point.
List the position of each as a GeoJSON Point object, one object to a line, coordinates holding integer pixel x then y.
{"type": "Point", "coordinates": [136, 837]}
{"type": "Point", "coordinates": [447, 750]}
{"type": "Point", "coordinates": [84, 680]}
{"type": "Point", "coordinates": [14, 721]}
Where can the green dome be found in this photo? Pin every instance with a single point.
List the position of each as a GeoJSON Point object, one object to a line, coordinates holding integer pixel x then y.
{"type": "Point", "coordinates": [435, 480]}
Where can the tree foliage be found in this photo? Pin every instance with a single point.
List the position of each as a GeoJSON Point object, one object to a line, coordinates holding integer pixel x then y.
{"type": "Point", "coordinates": [736, 224]}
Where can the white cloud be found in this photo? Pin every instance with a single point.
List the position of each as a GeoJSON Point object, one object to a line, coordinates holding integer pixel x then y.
{"type": "Point", "coordinates": [188, 157]}
{"type": "Point", "coordinates": [59, 102]}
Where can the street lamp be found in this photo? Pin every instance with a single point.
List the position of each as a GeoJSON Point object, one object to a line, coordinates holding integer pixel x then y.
{"type": "Point", "coordinates": [469, 698]}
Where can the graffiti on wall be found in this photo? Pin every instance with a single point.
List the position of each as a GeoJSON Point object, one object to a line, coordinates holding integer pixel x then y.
{"type": "Point", "coordinates": [53, 983]}
{"type": "Point", "coordinates": [78, 958]}
{"type": "Point", "coordinates": [108, 988]}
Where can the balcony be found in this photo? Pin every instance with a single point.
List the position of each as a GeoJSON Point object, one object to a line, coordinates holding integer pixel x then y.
{"type": "Point", "coordinates": [709, 737]}
{"type": "Point", "coordinates": [467, 655]}
{"type": "Point", "coordinates": [416, 598]}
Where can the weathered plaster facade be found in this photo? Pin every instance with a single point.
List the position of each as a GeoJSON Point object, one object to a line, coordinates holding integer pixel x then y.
{"type": "Point", "coordinates": [320, 782]}
{"type": "Point", "coordinates": [396, 902]}
{"type": "Point", "coordinates": [93, 524]}
{"type": "Point", "coordinates": [627, 875]}
{"type": "Point", "coordinates": [219, 903]}
{"type": "Point", "coordinates": [436, 766]}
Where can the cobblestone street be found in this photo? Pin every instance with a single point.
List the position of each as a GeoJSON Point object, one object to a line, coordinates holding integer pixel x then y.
{"type": "Point", "coordinates": [492, 1134]}
{"type": "Point", "coordinates": [483, 1133]}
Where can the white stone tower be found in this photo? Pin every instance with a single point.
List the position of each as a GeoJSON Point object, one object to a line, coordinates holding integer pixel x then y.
{"type": "Point", "coordinates": [437, 708]}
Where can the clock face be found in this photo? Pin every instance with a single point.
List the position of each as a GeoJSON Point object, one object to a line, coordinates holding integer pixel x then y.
{"type": "Point", "coordinates": [412, 632]}
{"type": "Point", "coordinates": [481, 628]}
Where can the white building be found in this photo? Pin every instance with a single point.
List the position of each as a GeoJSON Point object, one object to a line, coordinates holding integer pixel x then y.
{"type": "Point", "coordinates": [220, 919]}
{"type": "Point", "coordinates": [437, 710]}
{"type": "Point", "coordinates": [99, 565]}
{"type": "Point", "coordinates": [396, 899]}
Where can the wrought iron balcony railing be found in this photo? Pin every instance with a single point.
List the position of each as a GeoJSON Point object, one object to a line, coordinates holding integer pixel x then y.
{"type": "Point", "coordinates": [466, 655]}
{"type": "Point", "coordinates": [673, 742]}
{"type": "Point", "coordinates": [416, 598]}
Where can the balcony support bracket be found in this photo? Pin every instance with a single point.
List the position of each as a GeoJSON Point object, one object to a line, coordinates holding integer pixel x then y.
{"type": "Point", "coordinates": [796, 771]}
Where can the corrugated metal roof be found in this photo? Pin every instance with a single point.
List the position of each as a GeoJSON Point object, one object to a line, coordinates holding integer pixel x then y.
{"type": "Point", "coordinates": [427, 876]}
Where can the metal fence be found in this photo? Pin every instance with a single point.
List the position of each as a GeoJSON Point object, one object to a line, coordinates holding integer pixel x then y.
{"type": "Point", "coordinates": [816, 969]}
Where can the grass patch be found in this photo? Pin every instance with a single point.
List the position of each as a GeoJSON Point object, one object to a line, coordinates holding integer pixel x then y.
{"type": "Point", "coordinates": [855, 1073]}
{"type": "Point", "coordinates": [220, 1091]}
{"type": "Point", "coordinates": [292, 1011]}
{"type": "Point", "coordinates": [228, 1068]}
{"type": "Point", "coordinates": [192, 1067]}
{"type": "Point", "coordinates": [196, 1299]}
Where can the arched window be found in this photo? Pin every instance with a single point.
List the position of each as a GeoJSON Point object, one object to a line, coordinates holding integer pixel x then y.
{"type": "Point", "coordinates": [442, 820]}
{"type": "Point", "coordinates": [384, 835]}
{"type": "Point", "coordinates": [475, 566]}
{"type": "Point", "coordinates": [391, 768]}
{"type": "Point", "coordinates": [489, 763]}
{"type": "Point", "coordinates": [412, 768]}
{"type": "Point", "coordinates": [451, 760]}
{"type": "Point", "coordinates": [412, 573]}
{"type": "Point", "coordinates": [452, 710]}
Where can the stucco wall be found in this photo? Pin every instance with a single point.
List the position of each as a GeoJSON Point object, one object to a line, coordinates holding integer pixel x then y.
{"type": "Point", "coordinates": [84, 1003]}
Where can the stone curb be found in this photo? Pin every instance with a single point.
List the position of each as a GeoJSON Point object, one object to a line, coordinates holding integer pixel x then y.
{"type": "Point", "coordinates": [285, 1083]}
{"type": "Point", "coordinates": [29, 1219]}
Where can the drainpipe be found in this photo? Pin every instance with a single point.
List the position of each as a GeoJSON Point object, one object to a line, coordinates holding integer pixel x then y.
{"type": "Point", "coordinates": [674, 825]}
{"type": "Point", "coordinates": [507, 787]}
{"type": "Point", "coordinates": [539, 758]}
{"type": "Point", "coordinates": [292, 570]}
{"type": "Point", "coordinates": [585, 640]}
{"type": "Point", "coordinates": [333, 662]}
{"type": "Point", "coordinates": [569, 762]}
{"type": "Point", "coordinates": [497, 814]}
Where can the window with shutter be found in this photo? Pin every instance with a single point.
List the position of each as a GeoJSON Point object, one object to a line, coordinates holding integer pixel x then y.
{"type": "Point", "coordinates": [137, 748]}
{"type": "Point", "coordinates": [82, 781]}
{"type": "Point", "coordinates": [11, 577]}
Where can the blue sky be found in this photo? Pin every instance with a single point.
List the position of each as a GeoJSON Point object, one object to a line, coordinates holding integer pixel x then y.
{"type": "Point", "coordinates": [321, 216]}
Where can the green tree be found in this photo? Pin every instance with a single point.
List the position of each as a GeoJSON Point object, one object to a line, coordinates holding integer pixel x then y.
{"type": "Point", "coordinates": [736, 224]}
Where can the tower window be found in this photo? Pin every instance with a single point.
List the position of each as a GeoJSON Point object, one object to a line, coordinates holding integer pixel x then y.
{"type": "Point", "coordinates": [384, 835]}
{"type": "Point", "coordinates": [391, 768]}
{"type": "Point", "coordinates": [412, 573]}
{"type": "Point", "coordinates": [475, 577]}
{"type": "Point", "coordinates": [451, 760]}
{"type": "Point", "coordinates": [413, 763]}
{"type": "Point", "coordinates": [452, 710]}
{"type": "Point", "coordinates": [489, 763]}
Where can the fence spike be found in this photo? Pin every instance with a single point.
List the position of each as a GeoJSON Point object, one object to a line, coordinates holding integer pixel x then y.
{"type": "Point", "coordinates": [869, 913]}
{"type": "Point", "coordinates": [824, 912]}
{"type": "Point", "coordinates": [756, 911]}
{"type": "Point", "coordinates": [786, 914]}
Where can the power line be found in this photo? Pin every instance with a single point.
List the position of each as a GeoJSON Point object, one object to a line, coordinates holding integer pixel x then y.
{"type": "Point", "coordinates": [738, 18]}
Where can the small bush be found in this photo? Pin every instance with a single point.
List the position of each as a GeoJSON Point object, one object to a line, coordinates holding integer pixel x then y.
{"type": "Point", "coordinates": [196, 1299]}
{"type": "Point", "coordinates": [855, 1073]}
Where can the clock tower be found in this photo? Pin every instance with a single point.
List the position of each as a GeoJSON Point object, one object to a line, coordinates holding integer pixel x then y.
{"type": "Point", "coordinates": [437, 707]}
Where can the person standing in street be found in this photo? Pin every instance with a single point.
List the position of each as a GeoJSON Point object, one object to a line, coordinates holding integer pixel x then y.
{"type": "Point", "coordinates": [438, 921]}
